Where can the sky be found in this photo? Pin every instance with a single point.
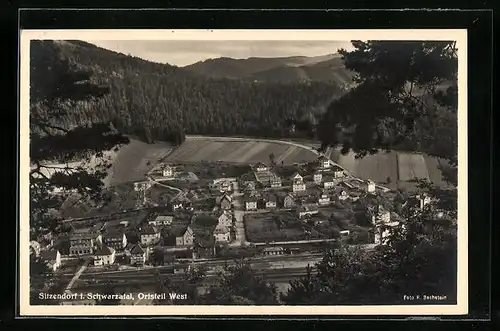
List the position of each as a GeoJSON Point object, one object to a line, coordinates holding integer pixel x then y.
{"type": "Point", "coordinates": [184, 52]}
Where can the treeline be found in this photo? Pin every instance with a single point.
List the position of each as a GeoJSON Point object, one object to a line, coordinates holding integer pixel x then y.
{"type": "Point", "coordinates": [163, 102]}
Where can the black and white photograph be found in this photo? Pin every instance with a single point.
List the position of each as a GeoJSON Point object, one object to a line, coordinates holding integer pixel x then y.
{"type": "Point", "coordinates": [237, 172]}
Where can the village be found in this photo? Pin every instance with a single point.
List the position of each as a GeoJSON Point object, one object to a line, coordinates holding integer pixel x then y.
{"type": "Point", "coordinates": [265, 210]}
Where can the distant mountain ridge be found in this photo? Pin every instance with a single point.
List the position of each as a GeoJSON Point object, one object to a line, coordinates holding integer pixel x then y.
{"type": "Point", "coordinates": [290, 69]}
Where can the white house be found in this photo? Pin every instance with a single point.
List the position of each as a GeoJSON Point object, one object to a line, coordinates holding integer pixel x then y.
{"type": "Point", "coordinates": [344, 232]}
{"type": "Point", "coordinates": [161, 220]}
{"type": "Point", "coordinates": [324, 162]}
{"type": "Point", "coordinates": [168, 171]}
{"type": "Point", "coordinates": [177, 206]}
{"type": "Point", "coordinates": [306, 210]}
{"type": "Point", "coordinates": [104, 256]}
{"type": "Point", "coordinates": [343, 195]}
{"type": "Point", "coordinates": [317, 177]}
{"type": "Point", "coordinates": [225, 219]}
{"type": "Point", "coordinates": [338, 173]}
{"type": "Point", "coordinates": [226, 202]}
{"type": "Point", "coordinates": [370, 186]}
{"type": "Point", "coordinates": [222, 233]}
{"type": "Point", "coordinates": [423, 200]}
{"type": "Point", "coordinates": [186, 238]}
{"type": "Point", "coordinates": [381, 216]}
{"type": "Point", "coordinates": [52, 259]}
{"type": "Point", "coordinates": [150, 236]}
{"type": "Point", "coordinates": [261, 167]}
{"type": "Point", "coordinates": [273, 251]}
{"type": "Point", "coordinates": [271, 201]}
{"type": "Point", "coordinates": [251, 203]}
{"type": "Point", "coordinates": [35, 248]}
{"type": "Point", "coordinates": [137, 255]}
{"type": "Point", "coordinates": [324, 199]}
{"type": "Point", "coordinates": [383, 232]}
{"type": "Point", "coordinates": [115, 239]}
{"type": "Point", "coordinates": [226, 186]}
{"type": "Point", "coordinates": [297, 178]}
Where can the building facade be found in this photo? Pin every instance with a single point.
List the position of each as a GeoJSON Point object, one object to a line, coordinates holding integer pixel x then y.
{"type": "Point", "coordinates": [115, 240]}
{"type": "Point", "coordinates": [137, 255]}
{"type": "Point", "coordinates": [104, 256]}
{"type": "Point", "coordinates": [186, 238]}
{"type": "Point", "coordinates": [84, 243]}
{"type": "Point", "coordinates": [222, 234]}
{"type": "Point", "coordinates": [150, 236]}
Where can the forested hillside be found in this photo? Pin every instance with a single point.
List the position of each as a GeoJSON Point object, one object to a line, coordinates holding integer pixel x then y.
{"type": "Point", "coordinates": [326, 68]}
{"type": "Point", "coordinates": [162, 102]}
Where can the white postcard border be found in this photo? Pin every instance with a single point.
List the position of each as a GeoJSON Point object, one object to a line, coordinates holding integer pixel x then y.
{"type": "Point", "coordinates": [25, 309]}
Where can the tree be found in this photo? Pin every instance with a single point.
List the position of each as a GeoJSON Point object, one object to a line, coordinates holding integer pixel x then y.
{"type": "Point", "coordinates": [405, 96]}
{"type": "Point", "coordinates": [420, 256]}
{"type": "Point", "coordinates": [57, 87]}
{"type": "Point", "coordinates": [237, 283]}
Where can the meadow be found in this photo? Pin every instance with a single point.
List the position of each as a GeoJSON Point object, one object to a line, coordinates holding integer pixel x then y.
{"type": "Point", "coordinates": [214, 150]}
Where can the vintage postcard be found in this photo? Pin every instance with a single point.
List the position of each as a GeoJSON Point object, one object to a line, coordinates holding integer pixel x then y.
{"type": "Point", "coordinates": [243, 172]}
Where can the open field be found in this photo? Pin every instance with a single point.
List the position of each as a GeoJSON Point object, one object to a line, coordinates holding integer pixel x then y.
{"type": "Point", "coordinates": [401, 167]}
{"type": "Point", "coordinates": [264, 227]}
{"type": "Point", "coordinates": [134, 160]}
{"type": "Point", "coordinates": [212, 149]}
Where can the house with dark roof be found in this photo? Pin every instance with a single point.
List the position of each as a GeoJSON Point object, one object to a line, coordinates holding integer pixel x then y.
{"type": "Point", "coordinates": [328, 182]}
{"type": "Point", "coordinates": [226, 202]}
{"type": "Point", "coordinates": [51, 258]}
{"type": "Point", "coordinates": [303, 211]}
{"type": "Point", "coordinates": [137, 255]}
{"type": "Point", "coordinates": [250, 202]}
{"type": "Point", "coordinates": [104, 256]}
{"type": "Point", "coordinates": [249, 186]}
{"type": "Point", "coordinates": [270, 201]}
{"type": "Point", "coordinates": [150, 236]}
{"type": "Point", "coordinates": [185, 237]}
{"type": "Point", "coordinates": [225, 218]}
{"type": "Point", "coordinates": [337, 171]}
{"type": "Point", "coordinates": [273, 251]}
{"type": "Point", "coordinates": [289, 201]}
{"type": "Point", "coordinates": [297, 178]}
{"type": "Point", "coordinates": [323, 199]}
{"type": "Point", "coordinates": [260, 167]}
{"type": "Point", "coordinates": [84, 241]}
{"type": "Point", "coordinates": [115, 239]}
{"type": "Point", "coordinates": [168, 171]}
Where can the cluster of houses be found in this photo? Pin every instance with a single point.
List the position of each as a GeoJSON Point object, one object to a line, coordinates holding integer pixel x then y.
{"type": "Point", "coordinates": [327, 186]}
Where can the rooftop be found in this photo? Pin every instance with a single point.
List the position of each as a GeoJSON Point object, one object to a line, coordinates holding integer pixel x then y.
{"type": "Point", "coordinates": [221, 229]}
{"type": "Point", "coordinates": [149, 230]}
{"type": "Point", "coordinates": [273, 249]}
{"type": "Point", "coordinates": [137, 249]}
{"type": "Point", "coordinates": [114, 235]}
{"type": "Point", "coordinates": [104, 251]}
{"type": "Point", "coordinates": [271, 197]}
{"type": "Point", "coordinates": [163, 218]}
